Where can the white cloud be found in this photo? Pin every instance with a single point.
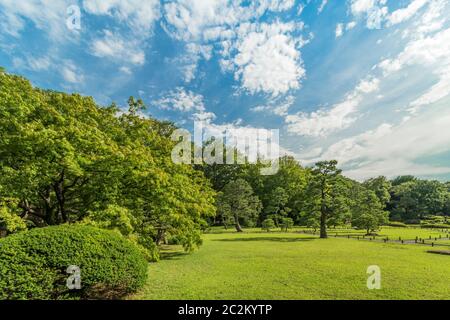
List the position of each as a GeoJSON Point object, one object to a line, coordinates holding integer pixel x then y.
{"type": "Point", "coordinates": [431, 51]}
{"type": "Point", "coordinates": [322, 6]}
{"type": "Point", "coordinates": [189, 19]}
{"type": "Point", "coordinates": [47, 15]}
{"type": "Point", "coordinates": [322, 122]}
{"type": "Point", "coordinates": [263, 57]}
{"type": "Point", "coordinates": [140, 15]}
{"type": "Point", "coordinates": [117, 48]}
{"type": "Point", "coordinates": [351, 25]}
{"type": "Point", "coordinates": [368, 85]}
{"type": "Point", "coordinates": [181, 100]}
{"type": "Point", "coordinates": [189, 61]}
{"type": "Point", "coordinates": [339, 30]}
{"type": "Point", "coordinates": [405, 14]}
{"type": "Point", "coordinates": [277, 107]}
{"type": "Point", "coordinates": [125, 70]}
{"type": "Point", "coordinates": [267, 58]}
{"type": "Point", "coordinates": [393, 150]}
{"type": "Point", "coordinates": [425, 51]}
{"type": "Point", "coordinates": [437, 92]}
{"type": "Point", "coordinates": [193, 20]}
{"type": "Point", "coordinates": [373, 11]}
{"type": "Point", "coordinates": [33, 63]}
{"type": "Point", "coordinates": [71, 73]}
{"type": "Point", "coordinates": [278, 5]}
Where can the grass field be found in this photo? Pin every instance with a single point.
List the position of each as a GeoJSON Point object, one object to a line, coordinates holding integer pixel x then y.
{"type": "Point", "coordinates": [257, 265]}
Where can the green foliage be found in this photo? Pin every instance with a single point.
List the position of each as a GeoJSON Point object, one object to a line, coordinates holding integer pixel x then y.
{"type": "Point", "coordinates": [286, 224]}
{"type": "Point", "coordinates": [238, 202]}
{"type": "Point", "coordinates": [381, 186]}
{"type": "Point", "coordinates": [368, 213]}
{"type": "Point", "coordinates": [277, 205]}
{"type": "Point", "coordinates": [268, 224]}
{"type": "Point", "coordinates": [10, 221]}
{"type": "Point", "coordinates": [313, 223]}
{"type": "Point", "coordinates": [112, 218]}
{"type": "Point", "coordinates": [326, 196]}
{"type": "Point", "coordinates": [414, 199]}
{"type": "Point", "coordinates": [396, 224]}
{"type": "Point", "coordinates": [292, 178]}
{"type": "Point", "coordinates": [65, 159]}
{"type": "Point", "coordinates": [33, 264]}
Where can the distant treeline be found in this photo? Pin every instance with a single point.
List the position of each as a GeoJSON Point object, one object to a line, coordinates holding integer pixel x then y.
{"type": "Point", "coordinates": [322, 197]}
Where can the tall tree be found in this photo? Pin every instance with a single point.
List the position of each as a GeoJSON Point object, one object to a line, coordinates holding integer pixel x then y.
{"type": "Point", "coordinates": [237, 201]}
{"type": "Point", "coordinates": [381, 186]}
{"type": "Point", "coordinates": [65, 159]}
{"type": "Point", "coordinates": [325, 195]}
{"type": "Point", "coordinates": [367, 211]}
{"type": "Point", "coordinates": [277, 207]}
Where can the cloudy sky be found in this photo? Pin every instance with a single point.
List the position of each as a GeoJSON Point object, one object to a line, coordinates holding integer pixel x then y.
{"type": "Point", "coordinates": [366, 82]}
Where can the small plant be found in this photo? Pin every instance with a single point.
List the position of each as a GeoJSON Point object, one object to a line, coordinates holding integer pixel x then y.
{"type": "Point", "coordinates": [268, 225]}
{"type": "Point", "coordinates": [286, 224]}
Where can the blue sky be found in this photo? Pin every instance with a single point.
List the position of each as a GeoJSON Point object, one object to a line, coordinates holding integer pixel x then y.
{"type": "Point", "coordinates": [366, 82]}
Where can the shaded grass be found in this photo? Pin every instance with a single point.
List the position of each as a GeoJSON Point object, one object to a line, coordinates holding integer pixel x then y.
{"type": "Point", "coordinates": [296, 266]}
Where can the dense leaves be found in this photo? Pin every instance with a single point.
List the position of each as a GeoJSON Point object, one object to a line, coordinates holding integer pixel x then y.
{"type": "Point", "coordinates": [238, 204]}
{"type": "Point", "coordinates": [65, 159]}
{"type": "Point", "coordinates": [33, 264]}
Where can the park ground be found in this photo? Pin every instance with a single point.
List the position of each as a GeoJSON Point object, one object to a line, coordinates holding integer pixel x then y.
{"type": "Point", "coordinates": [257, 265]}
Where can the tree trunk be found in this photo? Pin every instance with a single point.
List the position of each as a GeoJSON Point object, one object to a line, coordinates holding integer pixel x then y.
{"type": "Point", "coordinates": [323, 226]}
{"type": "Point", "coordinates": [160, 237]}
{"type": "Point", "coordinates": [237, 224]}
{"type": "Point", "coordinates": [323, 215]}
{"type": "Point", "coordinates": [59, 191]}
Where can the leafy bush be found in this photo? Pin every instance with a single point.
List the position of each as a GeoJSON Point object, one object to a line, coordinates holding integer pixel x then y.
{"type": "Point", "coordinates": [396, 224]}
{"type": "Point", "coordinates": [10, 222]}
{"type": "Point", "coordinates": [33, 264]}
{"type": "Point", "coordinates": [268, 224]}
{"type": "Point", "coordinates": [286, 224]}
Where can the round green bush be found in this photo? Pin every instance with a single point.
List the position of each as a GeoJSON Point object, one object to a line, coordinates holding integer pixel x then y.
{"type": "Point", "coordinates": [33, 264]}
{"type": "Point", "coordinates": [268, 224]}
{"type": "Point", "coordinates": [396, 224]}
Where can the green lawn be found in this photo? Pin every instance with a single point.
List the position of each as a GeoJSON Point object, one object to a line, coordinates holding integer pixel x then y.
{"type": "Point", "coordinates": [257, 265]}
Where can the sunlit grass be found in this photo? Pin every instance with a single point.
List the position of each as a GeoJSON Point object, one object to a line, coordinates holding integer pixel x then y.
{"type": "Point", "coordinates": [258, 265]}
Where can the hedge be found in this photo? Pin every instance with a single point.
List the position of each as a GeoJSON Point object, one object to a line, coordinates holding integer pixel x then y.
{"type": "Point", "coordinates": [396, 224]}
{"type": "Point", "coordinates": [33, 264]}
{"type": "Point", "coordinates": [435, 226]}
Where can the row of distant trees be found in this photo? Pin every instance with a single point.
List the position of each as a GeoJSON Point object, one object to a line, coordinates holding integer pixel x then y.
{"type": "Point", "coordinates": [321, 197]}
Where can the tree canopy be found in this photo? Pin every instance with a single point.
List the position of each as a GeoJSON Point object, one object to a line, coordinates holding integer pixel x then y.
{"type": "Point", "coordinates": [64, 159]}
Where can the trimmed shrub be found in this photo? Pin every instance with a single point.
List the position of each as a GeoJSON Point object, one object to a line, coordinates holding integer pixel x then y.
{"type": "Point", "coordinates": [268, 224]}
{"type": "Point", "coordinates": [33, 264]}
{"type": "Point", "coordinates": [286, 224]}
{"type": "Point", "coordinates": [435, 226]}
{"type": "Point", "coordinates": [396, 224]}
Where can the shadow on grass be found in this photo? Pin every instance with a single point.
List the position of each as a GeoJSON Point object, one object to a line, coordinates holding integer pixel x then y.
{"type": "Point", "coordinates": [275, 239]}
{"type": "Point", "coordinates": [173, 255]}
